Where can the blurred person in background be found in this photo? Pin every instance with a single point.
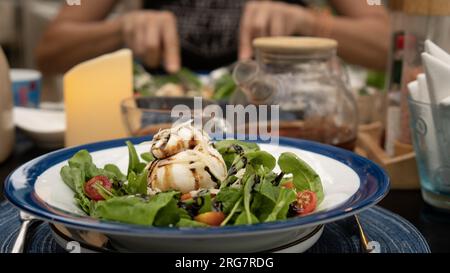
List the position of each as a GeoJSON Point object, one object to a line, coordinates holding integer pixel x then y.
{"type": "Point", "coordinates": [206, 34]}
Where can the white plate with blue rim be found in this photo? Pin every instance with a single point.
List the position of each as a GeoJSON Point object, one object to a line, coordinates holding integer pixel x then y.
{"type": "Point", "coordinates": [351, 184]}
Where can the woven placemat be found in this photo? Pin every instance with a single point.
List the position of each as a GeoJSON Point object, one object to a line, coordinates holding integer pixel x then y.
{"type": "Point", "coordinates": [388, 231]}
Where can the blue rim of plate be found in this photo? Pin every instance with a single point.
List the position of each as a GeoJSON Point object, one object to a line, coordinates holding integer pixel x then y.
{"type": "Point", "coordinates": [19, 190]}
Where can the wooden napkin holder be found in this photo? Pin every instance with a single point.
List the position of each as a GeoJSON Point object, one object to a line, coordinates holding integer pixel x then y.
{"type": "Point", "coordinates": [402, 168]}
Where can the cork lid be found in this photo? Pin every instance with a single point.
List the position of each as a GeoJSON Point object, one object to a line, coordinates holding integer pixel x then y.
{"type": "Point", "coordinates": [396, 5]}
{"type": "Point", "coordinates": [294, 44]}
{"type": "Point", "coordinates": [427, 8]}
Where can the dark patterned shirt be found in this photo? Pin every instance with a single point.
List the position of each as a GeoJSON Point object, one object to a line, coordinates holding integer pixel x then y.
{"type": "Point", "coordinates": [208, 29]}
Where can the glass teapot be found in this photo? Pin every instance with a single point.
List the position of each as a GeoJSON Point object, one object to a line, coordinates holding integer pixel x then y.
{"type": "Point", "coordinates": [304, 77]}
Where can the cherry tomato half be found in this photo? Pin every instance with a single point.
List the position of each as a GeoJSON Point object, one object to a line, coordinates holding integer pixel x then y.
{"type": "Point", "coordinates": [306, 202]}
{"type": "Point", "coordinates": [289, 185]}
{"type": "Point", "coordinates": [185, 196]}
{"type": "Point", "coordinates": [212, 218]}
{"type": "Point", "coordinates": [92, 192]}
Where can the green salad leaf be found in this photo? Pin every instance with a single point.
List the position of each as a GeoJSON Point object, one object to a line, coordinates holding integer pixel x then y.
{"type": "Point", "coordinates": [261, 206]}
{"type": "Point", "coordinates": [147, 157]}
{"type": "Point", "coordinates": [224, 87]}
{"type": "Point", "coordinates": [304, 177]}
{"type": "Point", "coordinates": [137, 183]}
{"type": "Point", "coordinates": [184, 214]}
{"type": "Point", "coordinates": [82, 160]}
{"type": "Point", "coordinates": [74, 178]}
{"type": "Point", "coordinates": [261, 158]}
{"type": "Point", "coordinates": [134, 163]}
{"type": "Point", "coordinates": [267, 189]}
{"type": "Point", "coordinates": [246, 218]}
{"type": "Point", "coordinates": [228, 197]}
{"type": "Point", "coordinates": [135, 210]}
{"type": "Point", "coordinates": [190, 223]}
{"type": "Point", "coordinates": [207, 204]}
{"type": "Point", "coordinates": [249, 182]}
{"type": "Point", "coordinates": [168, 215]}
{"type": "Point", "coordinates": [230, 149]}
{"type": "Point", "coordinates": [114, 173]}
{"type": "Point", "coordinates": [285, 198]}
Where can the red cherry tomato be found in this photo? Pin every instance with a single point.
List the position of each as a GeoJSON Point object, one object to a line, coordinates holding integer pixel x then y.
{"type": "Point", "coordinates": [306, 202]}
{"type": "Point", "coordinates": [289, 185]}
{"type": "Point", "coordinates": [92, 192]}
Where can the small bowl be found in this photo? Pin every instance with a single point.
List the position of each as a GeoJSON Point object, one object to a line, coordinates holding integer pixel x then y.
{"type": "Point", "coordinates": [144, 116]}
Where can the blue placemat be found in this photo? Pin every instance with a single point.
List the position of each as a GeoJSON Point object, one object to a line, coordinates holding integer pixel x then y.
{"type": "Point", "coordinates": [390, 232]}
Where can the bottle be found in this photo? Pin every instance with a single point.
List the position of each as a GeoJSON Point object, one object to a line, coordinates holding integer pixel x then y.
{"type": "Point", "coordinates": [6, 110]}
{"type": "Point", "coordinates": [393, 116]}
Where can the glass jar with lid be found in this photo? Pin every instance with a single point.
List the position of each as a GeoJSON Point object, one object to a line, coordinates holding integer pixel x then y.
{"type": "Point", "coordinates": [304, 77]}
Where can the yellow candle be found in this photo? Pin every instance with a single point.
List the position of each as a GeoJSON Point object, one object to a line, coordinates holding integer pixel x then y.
{"type": "Point", "coordinates": [93, 91]}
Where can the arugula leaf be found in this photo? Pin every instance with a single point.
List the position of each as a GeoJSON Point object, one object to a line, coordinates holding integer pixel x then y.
{"type": "Point", "coordinates": [246, 218]}
{"type": "Point", "coordinates": [137, 183]}
{"type": "Point", "coordinates": [127, 209]}
{"type": "Point", "coordinates": [230, 149]}
{"type": "Point", "coordinates": [134, 163]}
{"type": "Point", "coordinates": [261, 206]}
{"type": "Point", "coordinates": [207, 204]}
{"type": "Point", "coordinates": [267, 189]}
{"type": "Point", "coordinates": [134, 210]}
{"type": "Point", "coordinates": [74, 178]}
{"type": "Point", "coordinates": [261, 158]}
{"type": "Point", "coordinates": [235, 209]}
{"type": "Point", "coordinates": [104, 192]}
{"type": "Point", "coordinates": [184, 214]}
{"type": "Point", "coordinates": [228, 198]}
{"type": "Point", "coordinates": [113, 172]}
{"type": "Point", "coordinates": [189, 79]}
{"type": "Point", "coordinates": [304, 177]}
{"type": "Point", "coordinates": [80, 160]}
{"type": "Point", "coordinates": [68, 177]}
{"type": "Point", "coordinates": [190, 223]}
{"type": "Point", "coordinates": [223, 145]}
{"type": "Point", "coordinates": [224, 87]}
{"type": "Point", "coordinates": [248, 186]}
{"type": "Point", "coordinates": [279, 212]}
{"type": "Point", "coordinates": [185, 77]}
{"type": "Point", "coordinates": [168, 215]}
{"type": "Point", "coordinates": [147, 157]}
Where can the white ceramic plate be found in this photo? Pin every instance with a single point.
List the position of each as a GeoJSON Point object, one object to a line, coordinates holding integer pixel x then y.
{"type": "Point", "coordinates": [339, 181]}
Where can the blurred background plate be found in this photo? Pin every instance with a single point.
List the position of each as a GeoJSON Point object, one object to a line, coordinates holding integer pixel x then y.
{"type": "Point", "coordinates": [45, 127]}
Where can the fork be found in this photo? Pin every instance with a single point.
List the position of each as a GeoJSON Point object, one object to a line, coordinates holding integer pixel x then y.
{"type": "Point", "coordinates": [26, 220]}
{"type": "Point", "coordinates": [362, 236]}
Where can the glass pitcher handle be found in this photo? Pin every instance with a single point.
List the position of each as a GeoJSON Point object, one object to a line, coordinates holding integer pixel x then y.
{"type": "Point", "coordinates": [258, 87]}
{"type": "Point", "coordinates": [341, 71]}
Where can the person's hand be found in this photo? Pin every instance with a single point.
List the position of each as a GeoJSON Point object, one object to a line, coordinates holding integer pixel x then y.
{"type": "Point", "coordinates": [266, 18]}
{"type": "Point", "coordinates": [153, 37]}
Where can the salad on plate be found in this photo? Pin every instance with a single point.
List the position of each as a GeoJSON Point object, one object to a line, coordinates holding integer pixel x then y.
{"type": "Point", "coordinates": [186, 180]}
{"type": "Point", "coordinates": [218, 85]}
